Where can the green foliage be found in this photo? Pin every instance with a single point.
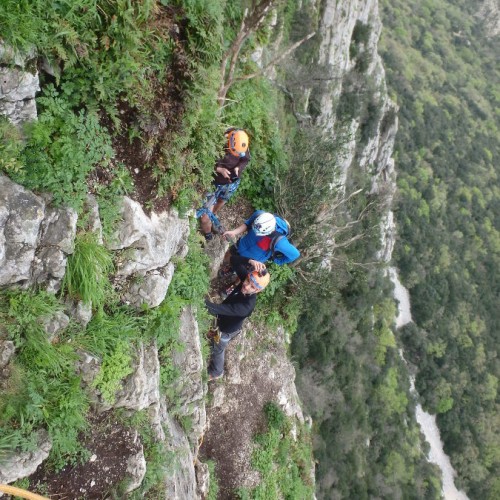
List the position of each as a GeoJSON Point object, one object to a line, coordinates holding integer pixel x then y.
{"type": "Point", "coordinates": [359, 399]}
{"type": "Point", "coordinates": [279, 303]}
{"type": "Point", "coordinates": [360, 37]}
{"type": "Point", "coordinates": [87, 271]}
{"type": "Point", "coordinates": [391, 400]}
{"type": "Point", "coordinates": [115, 367]}
{"type": "Point", "coordinates": [11, 146]}
{"type": "Point", "coordinates": [281, 460]}
{"type": "Point", "coordinates": [188, 158]}
{"type": "Point", "coordinates": [107, 329]}
{"type": "Point", "coordinates": [62, 148]}
{"type": "Point", "coordinates": [103, 45]}
{"type": "Point", "coordinates": [213, 490]}
{"type": "Point", "coordinates": [254, 108]}
{"type": "Point", "coordinates": [44, 391]}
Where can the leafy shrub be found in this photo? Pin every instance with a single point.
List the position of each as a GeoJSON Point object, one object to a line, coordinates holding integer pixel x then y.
{"type": "Point", "coordinates": [11, 146]}
{"type": "Point", "coordinates": [115, 367]}
{"type": "Point", "coordinates": [47, 392]}
{"type": "Point", "coordinates": [360, 36]}
{"type": "Point", "coordinates": [282, 461]}
{"type": "Point", "coordinates": [61, 150]}
{"type": "Point", "coordinates": [255, 110]}
{"type": "Point", "coordinates": [189, 157]}
{"type": "Point", "coordinates": [103, 45]}
{"type": "Point", "coordinates": [87, 271]}
{"type": "Point", "coordinates": [279, 304]}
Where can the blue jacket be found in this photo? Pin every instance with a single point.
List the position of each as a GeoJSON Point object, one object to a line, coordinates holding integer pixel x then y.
{"type": "Point", "coordinates": [257, 247]}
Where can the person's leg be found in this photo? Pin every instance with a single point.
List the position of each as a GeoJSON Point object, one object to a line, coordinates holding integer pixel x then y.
{"type": "Point", "coordinates": [224, 194]}
{"type": "Point", "coordinates": [218, 205]}
{"type": "Point", "coordinates": [206, 224]}
{"type": "Point", "coordinates": [216, 365]}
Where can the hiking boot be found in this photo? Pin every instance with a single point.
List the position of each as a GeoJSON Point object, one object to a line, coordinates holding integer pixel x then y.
{"type": "Point", "coordinates": [214, 377]}
{"type": "Point", "coordinates": [225, 271]}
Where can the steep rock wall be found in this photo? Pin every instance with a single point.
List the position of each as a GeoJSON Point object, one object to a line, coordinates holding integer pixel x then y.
{"type": "Point", "coordinates": [348, 52]}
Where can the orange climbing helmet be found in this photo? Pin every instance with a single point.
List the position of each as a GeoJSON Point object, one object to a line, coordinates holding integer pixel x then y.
{"type": "Point", "coordinates": [237, 142]}
{"type": "Point", "coordinates": [259, 278]}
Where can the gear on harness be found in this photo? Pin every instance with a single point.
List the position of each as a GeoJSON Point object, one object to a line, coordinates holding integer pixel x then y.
{"type": "Point", "coordinates": [214, 335]}
{"type": "Point", "coordinates": [214, 332]}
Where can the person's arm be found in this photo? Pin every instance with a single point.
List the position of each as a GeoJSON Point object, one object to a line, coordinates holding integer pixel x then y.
{"type": "Point", "coordinates": [239, 309]}
{"type": "Point", "coordinates": [240, 266]}
{"type": "Point", "coordinates": [226, 173]}
{"type": "Point", "coordinates": [242, 164]}
{"type": "Point", "coordinates": [288, 252]}
{"type": "Point", "coordinates": [235, 232]}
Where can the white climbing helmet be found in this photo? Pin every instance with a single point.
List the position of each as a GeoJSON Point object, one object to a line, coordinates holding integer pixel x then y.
{"type": "Point", "coordinates": [264, 224]}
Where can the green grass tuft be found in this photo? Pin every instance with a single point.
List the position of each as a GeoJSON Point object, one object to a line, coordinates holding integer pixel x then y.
{"type": "Point", "coordinates": [87, 271]}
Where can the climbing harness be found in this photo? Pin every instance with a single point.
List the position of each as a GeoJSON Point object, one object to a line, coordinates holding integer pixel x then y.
{"type": "Point", "coordinates": [206, 209]}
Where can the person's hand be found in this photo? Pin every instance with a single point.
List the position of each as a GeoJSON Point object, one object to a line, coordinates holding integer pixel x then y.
{"type": "Point", "coordinates": [236, 172]}
{"type": "Point", "coordinates": [230, 235]}
{"type": "Point", "coordinates": [224, 172]}
{"type": "Point", "coordinates": [258, 266]}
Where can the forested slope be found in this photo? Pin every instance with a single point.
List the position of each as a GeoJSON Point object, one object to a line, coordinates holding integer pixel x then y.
{"type": "Point", "coordinates": [442, 65]}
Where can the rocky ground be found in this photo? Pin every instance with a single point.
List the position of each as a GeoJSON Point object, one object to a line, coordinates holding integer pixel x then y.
{"type": "Point", "coordinates": [257, 371]}
{"type": "Point", "coordinates": [110, 446]}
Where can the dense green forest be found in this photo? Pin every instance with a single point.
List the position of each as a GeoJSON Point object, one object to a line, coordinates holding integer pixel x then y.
{"type": "Point", "coordinates": [442, 67]}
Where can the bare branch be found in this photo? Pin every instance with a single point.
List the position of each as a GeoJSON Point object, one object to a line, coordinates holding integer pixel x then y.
{"type": "Point", "coordinates": [249, 25]}
{"type": "Point", "coordinates": [276, 60]}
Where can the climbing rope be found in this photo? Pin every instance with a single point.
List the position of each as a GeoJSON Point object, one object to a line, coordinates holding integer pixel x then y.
{"type": "Point", "coordinates": [12, 490]}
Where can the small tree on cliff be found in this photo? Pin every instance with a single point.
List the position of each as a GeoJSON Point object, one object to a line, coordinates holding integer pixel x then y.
{"type": "Point", "coordinates": [253, 19]}
{"type": "Point", "coordinates": [326, 216]}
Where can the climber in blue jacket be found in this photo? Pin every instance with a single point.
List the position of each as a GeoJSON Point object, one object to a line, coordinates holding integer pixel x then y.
{"type": "Point", "coordinates": [266, 240]}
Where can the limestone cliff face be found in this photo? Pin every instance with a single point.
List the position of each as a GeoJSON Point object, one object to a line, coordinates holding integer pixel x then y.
{"type": "Point", "coordinates": [490, 14]}
{"type": "Point", "coordinates": [349, 32]}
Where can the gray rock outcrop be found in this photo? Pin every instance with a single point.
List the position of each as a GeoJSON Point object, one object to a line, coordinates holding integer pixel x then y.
{"type": "Point", "coordinates": [189, 387]}
{"type": "Point", "coordinates": [181, 484]}
{"type": "Point", "coordinates": [7, 350]}
{"type": "Point", "coordinates": [136, 468]}
{"type": "Point", "coordinates": [18, 85]}
{"type": "Point", "coordinates": [147, 242]}
{"type": "Point", "coordinates": [34, 239]}
{"type": "Point", "coordinates": [150, 289]}
{"type": "Point", "coordinates": [142, 388]}
{"type": "Point", "coordinates": [59, 321]}
{"type": "Point", "coordinates": [203, 479]}
{"type": "Point", "coordinates": [23, 464]}
{"type": "Point", "coordinates": [21, 216]}
{"type": "Point", "coordinates": [489, 12]}
{"type": "Point", "coordinates": [56, 242]}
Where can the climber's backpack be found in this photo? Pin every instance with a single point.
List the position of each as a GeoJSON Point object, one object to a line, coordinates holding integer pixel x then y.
{"type": "Point", "coordinates": [283, 229]}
